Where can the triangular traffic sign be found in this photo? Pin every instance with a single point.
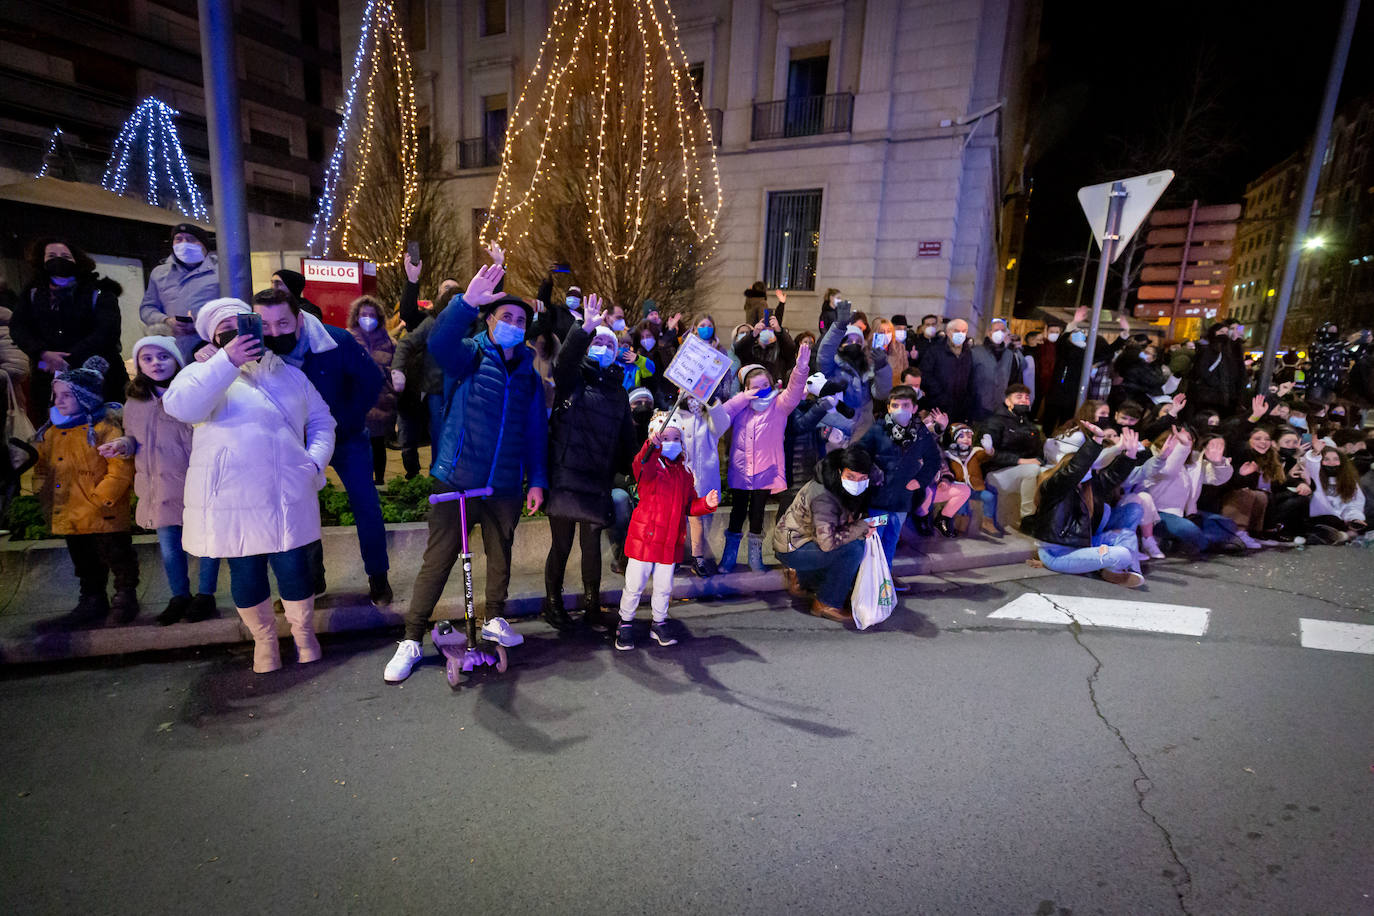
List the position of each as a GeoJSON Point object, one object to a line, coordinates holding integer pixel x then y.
{"type": "Point", "coordinates": [1142, 193]}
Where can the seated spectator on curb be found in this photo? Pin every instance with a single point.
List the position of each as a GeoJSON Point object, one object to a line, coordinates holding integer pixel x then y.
{"type": "Point", "coordinates": [1079, 532]}
{"type": "Point", "coordinates": [906, 458]}
{"type": "Point", "coordinates": [1014, 445]}
{"type": "Point", "coordinates": [1337, 504]}
{"type": "Point", "coordinates": [819, 539]}
{"type": "Point", "coordinates": [1174, 477]}
{"type": "Point", "coordinates": [966, 462]}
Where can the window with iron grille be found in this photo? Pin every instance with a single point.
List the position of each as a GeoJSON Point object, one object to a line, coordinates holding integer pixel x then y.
{"type": "Point", "coordinates": [792, 239]}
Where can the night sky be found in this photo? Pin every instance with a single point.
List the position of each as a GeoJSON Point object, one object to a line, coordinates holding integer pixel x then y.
{"type": "Point", "coordinates": [1115, 76]}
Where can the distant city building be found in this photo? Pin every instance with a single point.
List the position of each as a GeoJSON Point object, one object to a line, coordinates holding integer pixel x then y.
{"type": "Point", "coordinates": [1271, 205]}
{"type": "Point", "coordinates": [84, 66]}
{"type": "Point", "coordinates": [884, 140]}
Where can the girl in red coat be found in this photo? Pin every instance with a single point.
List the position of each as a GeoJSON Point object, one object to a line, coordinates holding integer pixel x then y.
{"type": "Point", "coordinates": [658, 528]}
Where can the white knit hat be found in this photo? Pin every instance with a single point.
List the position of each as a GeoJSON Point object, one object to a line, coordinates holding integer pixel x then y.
{"type": "Point", "coordinates": [162, 342]}
{"type": "Point", "coordinates": [215, 311]}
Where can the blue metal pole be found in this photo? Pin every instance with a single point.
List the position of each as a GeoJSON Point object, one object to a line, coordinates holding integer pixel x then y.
{"type": "Point", "coordinates": [219, 60]}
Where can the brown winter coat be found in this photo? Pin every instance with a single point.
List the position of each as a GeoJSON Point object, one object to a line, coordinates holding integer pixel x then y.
{"type": "Point", "coordinates": [82, 492]}
{"type": "Point", "coordinates": [817, 515]}
{"type": "Point", "coordinates": [381, 419]}
{"type": "Point", "coordinates": [162, 454]}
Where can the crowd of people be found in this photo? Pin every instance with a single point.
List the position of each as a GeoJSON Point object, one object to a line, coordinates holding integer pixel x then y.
{"type": "Point", "coordinates": [231, 412]}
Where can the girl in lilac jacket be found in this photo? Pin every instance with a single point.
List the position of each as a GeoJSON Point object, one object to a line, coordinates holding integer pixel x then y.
{"type": "Point", "coordinates": [758, 420]}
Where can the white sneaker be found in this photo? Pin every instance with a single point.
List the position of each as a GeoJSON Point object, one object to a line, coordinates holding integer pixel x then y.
{"type": "Point", "coordinates": [1151, 547]}
{"type": "Point", "coordinates": [1249, 542]}
{"type": "Point", "coordinates": [403, 662]}
{"type": "Point", "coordinates": [499, 631]}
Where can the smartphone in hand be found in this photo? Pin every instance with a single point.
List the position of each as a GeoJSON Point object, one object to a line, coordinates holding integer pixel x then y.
{"type": "Point", "coordinates": [250, 325]}
{"type": "Point", "coordinates": [413, 252]}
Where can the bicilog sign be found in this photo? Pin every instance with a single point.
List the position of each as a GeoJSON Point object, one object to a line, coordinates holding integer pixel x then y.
{"type": "Point", "coordinates": [333, 285]}
{"type": "Point", "coordinates": [331, 272]}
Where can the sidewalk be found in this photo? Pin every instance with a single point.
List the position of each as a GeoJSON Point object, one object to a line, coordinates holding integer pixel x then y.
{"type": "Point", "coordinates": [37, 584]}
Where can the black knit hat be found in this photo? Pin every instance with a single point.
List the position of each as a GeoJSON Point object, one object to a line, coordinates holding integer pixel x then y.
{"type": "Point", "coordinates": [192, 229]}
{"type": "Point", "coordinates": [510, 300]}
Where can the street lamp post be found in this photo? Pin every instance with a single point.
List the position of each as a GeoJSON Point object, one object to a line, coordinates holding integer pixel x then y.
{"type": "Point", "coordinates": [219, 64]}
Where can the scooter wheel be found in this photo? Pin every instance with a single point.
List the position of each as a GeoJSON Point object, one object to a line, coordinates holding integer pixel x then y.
{"type": "Point", "coordinates": [454, 670]}
{"type": "Point", "coordinates": [502, 659]}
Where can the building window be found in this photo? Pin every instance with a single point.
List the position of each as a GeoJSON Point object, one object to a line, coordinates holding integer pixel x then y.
{"type": "Point", "coordinates": [493, 17]}
{"type": "Point", "coordinates": [791, 246]}
{"type": "Point", "coordinates": [697, 74]}
{"type": "Point", "coordinates": [806, 82]}
{"type": "Point", "coordinates": [494, 114]}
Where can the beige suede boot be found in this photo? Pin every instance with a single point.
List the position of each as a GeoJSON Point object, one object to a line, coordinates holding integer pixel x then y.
{"type": "Point", "coordinates": [301, 616]}
{"type": "Point", "coordinates": [262, 623]}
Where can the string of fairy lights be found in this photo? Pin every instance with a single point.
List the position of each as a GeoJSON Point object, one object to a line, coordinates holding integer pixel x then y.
{"type": "Point", "coordinates": [51, 151]}
{"type": "Point", "coordinates": [352, 164]}
{"type": "Point", "coordinates": [164, 162]}
{"type": "Point", "coordinates": [629, 113]}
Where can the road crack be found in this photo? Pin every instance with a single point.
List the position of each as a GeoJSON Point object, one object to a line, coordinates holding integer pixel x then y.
{"type": "Point", "coordinates": [1142, 784]}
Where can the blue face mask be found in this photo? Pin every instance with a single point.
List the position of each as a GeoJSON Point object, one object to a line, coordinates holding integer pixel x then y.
{"type": "Point", "coordinates": [1298, 422]}
{"type": "Point", "coordinates": [1078, 339]}
{"type": "Point", "coordinates": [671, 449]}
{"type": "Point", "coordinates": [507, 336]}
{"type": "Point", "coordinates": [58, 418]}
{"type": "Point", "coordinates": [706, 333]}
{"type": "Point", "coordinates": [602, 354]}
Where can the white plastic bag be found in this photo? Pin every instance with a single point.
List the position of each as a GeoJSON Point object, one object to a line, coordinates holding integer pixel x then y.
{"type": "Point", "coordinates": [874, 597]}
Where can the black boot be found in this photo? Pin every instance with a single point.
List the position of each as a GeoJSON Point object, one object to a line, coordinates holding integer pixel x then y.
{"type": "Point", "coordinates": [554, 614]}
{"type": "Point", "coordinates": [925, 527]}
{"type": "Point", "coordinates": [175, 611]}
{"type": "Point", "coordinates": [202, 608]}
{"type": "Point", "coordinates": [945, 525]}
{"type": "Point", "coordinates": [592, 614]}
{"type": "Point", "coordinates": [124, 606]}
{"type": "Point", "coordinates": [90, 611]}
{"type": "Point", "coordinates": [379, 590]}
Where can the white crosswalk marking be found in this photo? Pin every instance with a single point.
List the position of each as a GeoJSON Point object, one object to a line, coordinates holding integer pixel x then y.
{"type": "Point", "coordinates": [1100, 612]}
{"type": "Point", "coordinates": [1336, 636]}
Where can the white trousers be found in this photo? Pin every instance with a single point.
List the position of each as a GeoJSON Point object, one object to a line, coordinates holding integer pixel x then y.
{"type": "Point", "coordinates": [637, 576]}
{"type": "Point", "coordinates": [1015, 488]}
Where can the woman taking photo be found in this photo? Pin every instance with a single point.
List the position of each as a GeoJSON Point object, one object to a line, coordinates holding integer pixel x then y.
{"type": "Point", "coordinates": [263, 437]}
{"type": "Point", "coordinates": [819, 539]}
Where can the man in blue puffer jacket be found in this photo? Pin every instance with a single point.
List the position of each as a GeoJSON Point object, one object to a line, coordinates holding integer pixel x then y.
{"type": "Point", "coordinates": [494, 435]}
{"type": "Point", "coordinates": [349, 381]}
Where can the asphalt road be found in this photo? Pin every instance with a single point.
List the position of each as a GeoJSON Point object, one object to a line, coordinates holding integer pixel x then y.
{"type": "Point", "coordinates": [948, 762]}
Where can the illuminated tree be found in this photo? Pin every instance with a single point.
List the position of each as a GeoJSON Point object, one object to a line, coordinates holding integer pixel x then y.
{"type": "Point", "coordinates": [372, 182]}
{"type": "Point", "coordinates": [164, 176]}
{"type": "Point", "coordinates": [609, 163]}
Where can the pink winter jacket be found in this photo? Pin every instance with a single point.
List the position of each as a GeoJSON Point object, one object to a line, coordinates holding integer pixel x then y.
{"type": "Point", "coordinates": [756, 447]}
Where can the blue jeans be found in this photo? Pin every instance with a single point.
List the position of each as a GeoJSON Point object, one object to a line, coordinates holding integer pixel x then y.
{"type": "Point", "coordinates": [177, 569]}
{"type": "Point", "coordinates": [1202, 532]}
{"type": "Point", "coordinates": [620, 527]}
{"type": "Point", "coordinates": [435, 404]}
{"type": "Point", "coordinates": [830, 572]}
{"type": "Point", "coordinates": [1119, 539]}
{"type": "Point", "coordinates": [352, 461]}
{"type": "Point", "coordinates": [248, 577]}
{"type": "Point", "coordinates": [890, 533]}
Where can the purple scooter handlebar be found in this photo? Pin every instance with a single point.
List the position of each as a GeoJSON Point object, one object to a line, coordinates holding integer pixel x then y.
{"type": "Point", "coordinates": [437, 498]}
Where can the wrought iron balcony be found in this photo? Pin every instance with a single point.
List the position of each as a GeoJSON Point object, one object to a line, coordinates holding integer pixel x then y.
{"type": "Point", "coordinates": [804, 116]}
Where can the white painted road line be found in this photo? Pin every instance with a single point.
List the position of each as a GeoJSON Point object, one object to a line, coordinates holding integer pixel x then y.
{"type": "Point", "coordinates": [1099, 612]}
{"type": "Point", "coordinates": [1336, 636]}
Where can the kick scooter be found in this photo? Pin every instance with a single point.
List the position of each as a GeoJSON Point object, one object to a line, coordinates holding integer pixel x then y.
{"type": "Point", "coordinates": [463, 651]}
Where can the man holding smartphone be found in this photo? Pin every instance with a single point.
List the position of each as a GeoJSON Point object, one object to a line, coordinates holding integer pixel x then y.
{"type": "Point", "coordinates": [179, 286]}
{"type": "Point", "coordinates": [349, 381]}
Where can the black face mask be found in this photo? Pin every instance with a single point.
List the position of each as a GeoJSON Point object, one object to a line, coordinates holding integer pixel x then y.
{"type": "Point", "coordinates": [852, 353]}
{"type": "Point", "coordinates": [1021, 410]}
{"type": "Point", "coordinates": [60, 267]}
{"type": "Point", "coordinates": [280, 344]}
{"type": "Point", "coordinates": [642, 414]}
{"type": "Point", "coordinates": [223, 338]}
{"type": "Point", "coordinates": [1288, 454]}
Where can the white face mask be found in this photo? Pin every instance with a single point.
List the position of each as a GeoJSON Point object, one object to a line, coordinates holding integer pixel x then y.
{"type": "Point", "coordinates": [997, 336]}
{"type": "Point", "coordinates": [854, 487]}
{"type": "Point", "coordinates": [671, 449]}
{"type": "Point", "coordinates": [189, 252]}
{"type": "Point", "coordinates": [1052, 336]}
{"type": "Point", "coordinates": [900, 417]}
{"type": "Point", "coordinates": [930, 331]}
{"type": "Point", "coordinates": [900, 334]}
{"type": "Point", "coordinates": [958, 338]}
{"type": "Point", "coordinates": [766, 337]}
{"type": "Point", "coordinates": [367, 323]}
{"type": "Point", "coordinates": [618, 325]}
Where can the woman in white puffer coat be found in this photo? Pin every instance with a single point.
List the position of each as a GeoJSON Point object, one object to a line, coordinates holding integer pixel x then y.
{"type": "Point", "coordinates": [263, 437]}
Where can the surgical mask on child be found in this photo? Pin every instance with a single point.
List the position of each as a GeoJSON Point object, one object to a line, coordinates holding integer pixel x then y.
{"type": "Point", "coordinates": [188, 252]}
{"type": "Point", "coordinates": [671, 449]}
{"type": "Point", "coordinates": [506, 335]}
{"type": "Point", "coordinates": [765, 398]}
{"type": "Point", "coordinates": [602, 354]}
{"type": "Point", "coordinates": [854, 487]}
{"type": "Point", "coordinates": [367, 323]}
{"type": "Point", "coordinates": [706, 333]}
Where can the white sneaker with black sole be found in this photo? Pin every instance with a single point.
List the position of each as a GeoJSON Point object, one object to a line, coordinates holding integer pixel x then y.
{"type": "Point", "coordinates": [407, 656]}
